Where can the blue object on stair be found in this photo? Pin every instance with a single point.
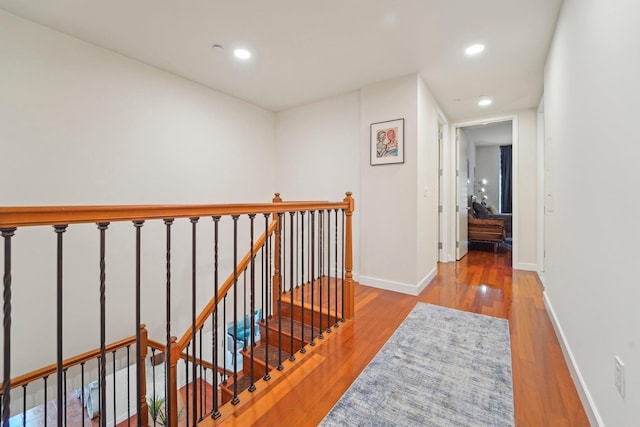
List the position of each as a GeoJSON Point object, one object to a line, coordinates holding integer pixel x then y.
{"type": "Point", "coordinates": [238, 337]}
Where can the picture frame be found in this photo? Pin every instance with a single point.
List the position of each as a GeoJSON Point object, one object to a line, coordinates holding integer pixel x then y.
{"type": "Point", "coordinates": [387, 142]}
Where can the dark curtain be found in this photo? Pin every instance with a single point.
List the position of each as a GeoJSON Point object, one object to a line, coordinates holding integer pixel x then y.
{"type": "Point", "coordinates": [505, 172]}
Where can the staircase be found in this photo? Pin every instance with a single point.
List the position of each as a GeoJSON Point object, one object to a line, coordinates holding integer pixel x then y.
{"type": "Point", "coordinates": [285, 335]}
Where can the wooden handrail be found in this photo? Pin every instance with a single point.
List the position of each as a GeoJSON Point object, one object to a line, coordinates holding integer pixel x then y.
{"type": "Point", "coordinates": [21, 216]}
{"type": "Point", "coordinates": [72, 361]}
{"type": "Point", "coordinates": [162, 347]}
{"type": "Point", "coordinates": [157, 345]}
{"type": "Point", "coordinates": [226, 286]}
{"type": "Point", "coordinates": [204, 363]}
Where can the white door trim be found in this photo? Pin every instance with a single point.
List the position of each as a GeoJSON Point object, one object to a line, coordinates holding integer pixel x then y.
{"type": "Point", "coordinates": [541, 186]}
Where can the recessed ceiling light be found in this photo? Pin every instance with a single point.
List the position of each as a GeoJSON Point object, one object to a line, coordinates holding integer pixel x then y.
{"type": "Point", "coordinates": [484, 101]}
{"type": "Point", "coordinates": [243, 54]}
{"type": "Point", "coordinates": [217, 48]}
{"type": "Point", "coordinates": [474, 49]}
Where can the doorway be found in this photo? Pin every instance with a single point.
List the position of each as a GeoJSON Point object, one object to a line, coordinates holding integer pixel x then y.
{"type": "Point", "coordinates": [482, 149]}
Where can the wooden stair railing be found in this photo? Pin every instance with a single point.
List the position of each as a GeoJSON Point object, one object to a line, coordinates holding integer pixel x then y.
{"type": "Point", "coordinates": [81, 359]}
{"type": "Point", "coordinates": [274, 229]}
{"type": "Point", "coordinates": [12, 219]}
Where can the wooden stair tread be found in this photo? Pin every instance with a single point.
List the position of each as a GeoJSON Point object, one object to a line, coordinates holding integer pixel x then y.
{"type": "Point", "coordinates": [286, 327]}
{"type": "Point", "coordinates": [244, 381]}
{"type": "Point", "coordinates": [260, 351]}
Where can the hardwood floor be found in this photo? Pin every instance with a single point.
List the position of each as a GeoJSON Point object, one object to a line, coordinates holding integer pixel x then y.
{"type": "Point", "coordinates": [483, 282]}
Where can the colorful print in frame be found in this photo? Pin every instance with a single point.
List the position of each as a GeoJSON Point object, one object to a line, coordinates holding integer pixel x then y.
{"type": "Point", "coordinates": [387, 142]}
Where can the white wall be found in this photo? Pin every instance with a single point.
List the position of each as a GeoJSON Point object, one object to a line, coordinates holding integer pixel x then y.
{"type": "Point", "coordinates": [487, 166]}
{"type": "Point", "coordinates": [592, 152]}
{"type": "Point", "coordinates": [82, 125]}
{"type": "Point", "coordinates": [527, 187]}
{"type": "Point", "coordinates": [393, 203]}
{"type": "Point", "coordinates": [389, 206]}
{"type": "Point", "coordinates": [318, 155]}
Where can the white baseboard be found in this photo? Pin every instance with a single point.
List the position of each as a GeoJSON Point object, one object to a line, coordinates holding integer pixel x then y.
{"type": "Point", "coordinates": [578, 380]}
{"type": "Point", "coordinates": [404, 288]}
{"type": "Point", "coordinates": [356, 276]}
{"type": "Point", "coordinates": [527, 266]}
{"type": "Point", "coordinates": [542, 278]}
{"type": "Point", "coordinates": [427, 279]}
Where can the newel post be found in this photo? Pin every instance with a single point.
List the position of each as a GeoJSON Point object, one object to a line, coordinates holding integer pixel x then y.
{"type": "Point", "coordinates": [277, 277]}
{"type": "Point", "coordinates": [143, 415]}
{"type": "Point", "coordinates": [173, 352]}
{"type": "Point", "coordinates": [349, 308]}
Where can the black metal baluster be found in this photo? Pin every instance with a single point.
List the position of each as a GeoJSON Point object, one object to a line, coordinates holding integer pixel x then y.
{"type": "Point", "coordinates": [335, 269]}
{"type": "Point", "coordinates": [138, 227]}
{"type": "Point", "coordinates": [45, 403]}
{"type": "Point", "coordinates": [297, 252]}
{"type": "Point", "coordinates": [244, 305]}
{"type": "Point", "coordinates": [280, 285]}
{"type": "Point", "coordinates": [252, 386]}
{"type": "Point", "coordinates": [99, 393]}
{"type": "Point", "coordinates": [224, 342]}
{"type": "Point", "coordinates": [342, 267]}
{"type": "Point", "coordinates": [115, 414]}
{"type": "Point", "coordinates": [82, 390]}
{"type": "Point", "coordinates": [194, 222]}
{"type": "Point", "coordinates": [328, 271]}
{"type": "Point", "coordinates": [235, 400]}
{"type": "Point", "coordinates": [24, 405]}
{"type": "Point", "coordinates": [203, 387]}
{"type": "Point", "coordinates": [312, 244]}
{"type": "Point", "coordinates": [321, 266]}
{"type": "Point", "coordinates": [215, 413]}
{"type": "Point", "coordinates": [186, 388]}
{"type": "Point", "coordinates": [264, 266]}
{"type": "Point", "coordinates": [103, 322]}
{"type": "Point", "coordinates": [167, 359]}
{"type": "Point", "coordinates": [7, 234]}
{"type": "Point", "coordinates": [59, 229]}
{"type": "Point", "coordinates": [267, 306]}
{"type": "Point", "coordinates": [302, 348]}
{"type": "Point", "coordinates": [65, 396]}
{"type": "Point", "coordinates": [153, 372]}
{"type": "Point", "coordinates": [200, 379]}
{"type": "Point", "coordinates": [128, 386]}
{"type": "Point", "coordinates": [291, 266]}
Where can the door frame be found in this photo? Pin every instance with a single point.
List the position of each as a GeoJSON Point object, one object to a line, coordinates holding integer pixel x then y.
{"type": "Point", "coordinates": [543, 167]}
{"type": "Point", "coordinates": [515, 173]}
{"type": "Point", "coordinates": [444, 254]}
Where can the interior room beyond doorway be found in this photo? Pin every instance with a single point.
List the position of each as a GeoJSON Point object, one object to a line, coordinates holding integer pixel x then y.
{"type": "Point", "coordinates": [485, 187]}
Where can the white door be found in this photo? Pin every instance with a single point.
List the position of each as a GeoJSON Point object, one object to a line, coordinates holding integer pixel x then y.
{"type": "Point", "coordinates": [462, 175]}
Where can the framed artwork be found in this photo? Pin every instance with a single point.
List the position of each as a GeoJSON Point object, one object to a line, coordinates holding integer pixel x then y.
{"type": "Point", "coordinates": [387, 142]}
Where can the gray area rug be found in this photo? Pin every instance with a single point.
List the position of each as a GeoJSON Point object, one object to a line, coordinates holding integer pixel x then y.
{"type": "Point", "coordinates": [442, 367]}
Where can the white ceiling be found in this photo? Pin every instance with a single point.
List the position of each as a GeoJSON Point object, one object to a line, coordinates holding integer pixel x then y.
{"type": "Point", "coordinates": [304, 51]}
{"type": "Point", "coordinates": [497, 133]}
